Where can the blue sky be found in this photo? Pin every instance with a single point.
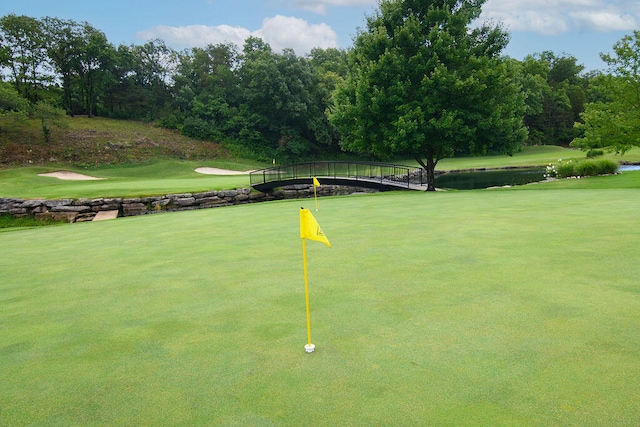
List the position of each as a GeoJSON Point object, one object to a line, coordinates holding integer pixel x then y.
{"type": "Point", "coordinates": [582, 28]}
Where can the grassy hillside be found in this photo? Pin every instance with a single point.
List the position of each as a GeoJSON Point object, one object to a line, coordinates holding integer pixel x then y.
{"type": "Point", "coordinates": [139, 159]}
{"type": "Point", "coordinates": [97, 141]}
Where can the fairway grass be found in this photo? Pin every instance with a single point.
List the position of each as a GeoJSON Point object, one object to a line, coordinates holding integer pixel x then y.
{"type": "Point", "coordinates": [529, 156]}
{"type": "Point", "coordinates": [146, 179]}
{"type": "Point", "coordinates": [493, 308]}
{"type": "Point", "coordinates": [178, 176]}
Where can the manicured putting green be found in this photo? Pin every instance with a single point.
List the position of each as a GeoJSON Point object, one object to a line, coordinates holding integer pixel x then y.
{"type": "Point", "coordinates": [460, 308]}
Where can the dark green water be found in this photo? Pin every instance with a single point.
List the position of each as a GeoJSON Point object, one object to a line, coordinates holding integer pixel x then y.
{"type": "Point", "coordinates": [485, 179]}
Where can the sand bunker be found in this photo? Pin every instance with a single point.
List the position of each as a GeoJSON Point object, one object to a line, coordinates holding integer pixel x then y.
{"type": "Point", "coordinates": [216, 171]}
{"type": "Point", "coordinates": [73, 176]}
{"type": "Point", "coordinates": [70, 176]}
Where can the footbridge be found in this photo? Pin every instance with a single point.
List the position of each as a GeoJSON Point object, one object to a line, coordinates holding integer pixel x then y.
{"type": "Point", "coordinates": [381, 176]}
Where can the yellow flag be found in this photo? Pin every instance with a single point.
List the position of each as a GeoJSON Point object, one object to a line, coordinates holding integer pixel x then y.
{"type": "Point", "coordinates": [310, 229]}
{"type": "Point", "coordinates": [316, 183]}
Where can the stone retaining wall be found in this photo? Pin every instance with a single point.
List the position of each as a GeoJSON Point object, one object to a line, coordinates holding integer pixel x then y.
{"type": "Point", "coordinates": [79, 210]}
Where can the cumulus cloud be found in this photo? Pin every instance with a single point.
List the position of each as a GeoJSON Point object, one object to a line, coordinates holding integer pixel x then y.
{"type": "Point", "coordinates": [552, 17]}
{"type": "Point", "coordinates": [289, 32]}
{"type": "Point", "coordinates": [604, 21]}
{"type": "Point", "coordinates": [321, 6]}
{"type": "Point", "coordinates": [196, 35]}
{"type": "Point", "coordinates": [279, 31]}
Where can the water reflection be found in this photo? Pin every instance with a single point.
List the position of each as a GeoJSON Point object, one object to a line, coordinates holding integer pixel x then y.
{"type": "Point", "coordinates": [499, 178]}
{"type": "Point", "coordinates": [492, 178]}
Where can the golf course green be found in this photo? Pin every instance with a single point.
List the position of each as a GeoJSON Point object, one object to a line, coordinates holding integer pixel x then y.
{"type": "Point", "coordinates": [490, 307]}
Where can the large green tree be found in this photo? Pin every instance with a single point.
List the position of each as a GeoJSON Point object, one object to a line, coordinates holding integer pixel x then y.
{"type": "Point", "coordinates": [424, 83]}
{"type": "Point", "coordinates": [96, 60]}
{"type": "Point", "coordinates": [281, 104]}
{"type": "Point", "coordinates": [556, 96]}
{"type": "Point", "coordinates": [23, 53]}
{"type": "Point", "coordinates": [613, 121]}
{"type": "Point", "coordinates": [137, 81]}
{"type": "Point", "coordinates": [205, 91]}
{"type": "Point", "coordinates": [64, 47]}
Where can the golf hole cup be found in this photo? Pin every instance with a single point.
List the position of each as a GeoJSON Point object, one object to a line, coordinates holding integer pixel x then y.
{"type": "Point", "coordinates": [309, 348]}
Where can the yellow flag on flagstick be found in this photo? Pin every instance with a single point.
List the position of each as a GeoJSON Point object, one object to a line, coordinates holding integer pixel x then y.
{"type": "Point", "coordinates": [316, 183]}
{"type": "Point", "coordinates": [310, 229]}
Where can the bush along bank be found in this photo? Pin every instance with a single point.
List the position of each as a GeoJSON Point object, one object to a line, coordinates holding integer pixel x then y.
{"type": "Point", "coordinates": [588, 167]}
{"type": "Point", "coordinates": [81, 210]}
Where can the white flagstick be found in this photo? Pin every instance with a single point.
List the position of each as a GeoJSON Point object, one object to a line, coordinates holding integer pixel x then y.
{"type": "Point", "coordinates": [309, 348]}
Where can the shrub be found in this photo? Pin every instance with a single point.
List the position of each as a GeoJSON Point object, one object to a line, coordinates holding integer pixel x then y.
{"type": "Point", "coordinates": [588, 167]}
{"type": "Point", "coordinates": [597, 167]}
{"type": "Point", "coordinates": [170, 121]}
{"type": "Point", "coordinates": [564, 170]}
{"type": "Point", "coordinates": [594, 153]}
{"type": "Point", "coordinates": [197, 128]}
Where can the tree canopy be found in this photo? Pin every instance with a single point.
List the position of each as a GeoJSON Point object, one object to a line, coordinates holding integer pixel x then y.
{"type": "Point", "coordinates": [613, 120]}
{"type": "Point", "coordinates": [424, 83]}
{"type": "Point", "coordinates": [555, 96]}
{"type": "Point", "coordinates": [424, 80]}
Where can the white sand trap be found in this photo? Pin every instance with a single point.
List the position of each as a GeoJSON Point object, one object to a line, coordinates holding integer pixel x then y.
{"type": "Point", "coordinates": [70, 176]}
{"type": "Point", "coordinates": [216, 171]}
{"type": "Point", "coordinates": [103, 215]}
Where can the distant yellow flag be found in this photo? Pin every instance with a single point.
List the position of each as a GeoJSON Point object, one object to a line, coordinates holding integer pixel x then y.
{"type": "Point", "coordinates": [310, 229]}
{"type": "Point", "coordinates": [316, 183]}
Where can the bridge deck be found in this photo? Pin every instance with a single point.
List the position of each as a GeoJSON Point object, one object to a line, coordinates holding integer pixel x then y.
{"type": "Point", "coordinates": [381, 176]}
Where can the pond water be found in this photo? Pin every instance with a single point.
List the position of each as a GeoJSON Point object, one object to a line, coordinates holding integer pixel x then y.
{"type": "Point", "coordinates": [499, 178]}
{"type": "Point", "coordinates": [492, 178]}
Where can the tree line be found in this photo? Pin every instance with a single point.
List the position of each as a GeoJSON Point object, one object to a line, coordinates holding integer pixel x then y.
{"type": "Point", "coordinates": [410, 60]}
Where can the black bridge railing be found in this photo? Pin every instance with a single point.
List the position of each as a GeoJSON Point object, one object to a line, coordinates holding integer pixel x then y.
{"type": "Point", "coordinates": [377, 175]}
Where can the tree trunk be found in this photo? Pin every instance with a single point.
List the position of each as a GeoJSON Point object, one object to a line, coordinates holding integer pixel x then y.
{"type": "Point", "coordinates": [430, 168]}
{"type": "Point", "coordinates": [431, 174]}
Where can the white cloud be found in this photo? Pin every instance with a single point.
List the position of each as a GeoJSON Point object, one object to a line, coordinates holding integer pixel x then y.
{"type": "Point", "coordinates": [320, 6]}
{"type": "Point", "coordinates": [279, 31]}
{"type": "Point", "coordinates": [196, 35]}
{"type": "Point", "coordinates": [603, 21]}
{"type": "Point", "coordinates": [285, 31]}
{"type": "Point", "coordinates": [552, 17]}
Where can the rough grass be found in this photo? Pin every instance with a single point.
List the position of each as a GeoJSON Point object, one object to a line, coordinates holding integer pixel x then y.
{"type": "Point", "coordinates": [91, 142]}
{"type": "Point", "coordinates": [9, 223]}
{"type": "Point", "coordinates": [503, 307]}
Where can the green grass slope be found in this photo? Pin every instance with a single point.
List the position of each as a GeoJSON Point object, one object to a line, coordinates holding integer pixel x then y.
{"type": "Point", "coordinates": [140, 159]}
{"type": "Point", "coordinates": [90, 142]}
{"type": "Point", "coordinates": [163, 176]}
{"type": "Point", "coordinates": [150, 178]}
{"type": "Point", "coordinates": [530, 156]}
{"type": "Point", "coordinates": [484, 307]}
